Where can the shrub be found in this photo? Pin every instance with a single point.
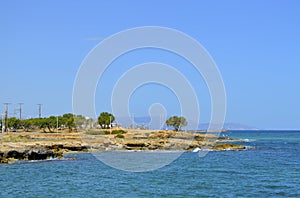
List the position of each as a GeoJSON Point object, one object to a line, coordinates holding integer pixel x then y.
{"type": "Point", "coordinates": [106, 132]}
{"type": "Point", "coordinates": [119, 136]}
{"type": "Point", "coordinates": [14, 138]}
{"type": "Point", "coordinates": [96, 132]}
{"type": "Point", "coordinates": [118, 131]}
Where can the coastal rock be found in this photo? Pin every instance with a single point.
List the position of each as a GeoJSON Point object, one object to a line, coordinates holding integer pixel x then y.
{"type": "Point", "coordinates": [15, 154]}
{"type": "Point", "coordinates": [40, 154]}
{"type": "Point", "coordinates": [162, 135]}
{"type": "Point", "coordinates": [69, 147]}
{"type": "Point", "coordinates": [135, 144]}
{"type": "Point", "coordinates": [41, 146]}
{"type": "Point", "coordinates": [226, 147]}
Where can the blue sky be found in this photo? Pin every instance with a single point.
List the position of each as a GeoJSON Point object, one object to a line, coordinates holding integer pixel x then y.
{"type": "Point", "coordinates": [255, 44]}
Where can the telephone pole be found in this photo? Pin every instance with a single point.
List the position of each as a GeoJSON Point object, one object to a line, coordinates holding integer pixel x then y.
{"type": "Point", "coordinates": [40, 110]}
{"type": "Point", "coordinates": [21, 110]}
{"type": "Point", "coordinates": [6, 117]}
{"type": "Point", "coordinates": [110, 124]}
{"type": "Point", "coordinates": [3, 123]}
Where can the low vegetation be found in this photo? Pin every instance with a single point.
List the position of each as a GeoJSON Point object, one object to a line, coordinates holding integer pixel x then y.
{"type": "Point", "coordinates": [106, 132]}
{"type": "Point", "coordinates": [94, 132]}
{"type": "Point", "coordinates": [15, 138]}
{"type": "Point", "coordinates": [118, 131]}
{"type": "Point", "coordinates": [119, 136]}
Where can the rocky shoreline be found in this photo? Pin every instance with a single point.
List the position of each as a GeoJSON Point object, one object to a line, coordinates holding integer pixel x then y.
{"type": "Point", "coordinates": [37, 153]}
{"type": "Point", "coordinates": [41, 146]}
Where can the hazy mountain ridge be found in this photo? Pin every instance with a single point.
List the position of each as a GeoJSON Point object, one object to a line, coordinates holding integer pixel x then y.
{"type": "Point", "coordinates": [230, 126]}
{"type": "Point", "coordinates": [203, 126]}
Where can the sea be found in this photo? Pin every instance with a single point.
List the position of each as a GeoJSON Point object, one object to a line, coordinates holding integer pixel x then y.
{"type": "Point", "coordinates": [269, 168]}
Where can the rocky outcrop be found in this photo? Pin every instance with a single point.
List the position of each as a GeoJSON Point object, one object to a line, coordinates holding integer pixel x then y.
{"type": "Point", "coordinates": [38, 153]}
{"type": "Point", "coordinates": [41, 154]}
{"type": "Point", "coordinates": [41, 146]}
{"type": "Point", "coordinates": [226, 147]}
{"type": "Point", "coordinates": [68, 147]}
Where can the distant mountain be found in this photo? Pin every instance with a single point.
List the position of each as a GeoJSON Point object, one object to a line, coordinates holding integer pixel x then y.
{"type": "Point", "coordinates": [228, 126]}
{"type": "Point", "coordinates": [236, 126]}
{"type": "Point", "coordinates": [157, 122]}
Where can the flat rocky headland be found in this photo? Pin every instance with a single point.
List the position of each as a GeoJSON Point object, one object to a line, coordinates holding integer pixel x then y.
{"type": "Point", "coordinates": [36, 145]}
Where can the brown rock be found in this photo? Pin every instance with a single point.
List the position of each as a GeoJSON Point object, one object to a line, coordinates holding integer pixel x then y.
{"type": "Point", "coordinates": [229, 147]}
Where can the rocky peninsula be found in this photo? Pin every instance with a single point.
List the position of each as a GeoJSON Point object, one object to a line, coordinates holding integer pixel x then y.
{"type": "Point", "coordinates": [37, 145]}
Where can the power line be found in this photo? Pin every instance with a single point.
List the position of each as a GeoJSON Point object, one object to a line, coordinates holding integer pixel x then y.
{"type": "Point", "coordinates": [40, 110]}
{"type": "Point", "coordinates": [21, 110]}
{"type": "Point", "coordinates": [6, 116]}
{"type": "Point", "coordinates": [3, 122]}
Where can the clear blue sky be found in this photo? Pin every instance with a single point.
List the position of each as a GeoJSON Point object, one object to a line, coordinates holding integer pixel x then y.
{"type": "Point", "coordinates": [256, 45]}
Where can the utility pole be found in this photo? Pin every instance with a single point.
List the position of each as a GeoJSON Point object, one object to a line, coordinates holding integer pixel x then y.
{"type": "Point", "coordinates": [6, 116]}
{"type": "Point", "coordinates": [110, 124]}
{"type": "Point", "coordinates": [40, 110]}
{"type": "Point", "coordinates": [3, 123]}
{"type": "Point", "coordinates": [21, 110]}
{"type": "Point", "coordinates": [56, 124]}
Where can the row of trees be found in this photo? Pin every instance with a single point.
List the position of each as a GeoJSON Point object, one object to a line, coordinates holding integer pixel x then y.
{"type": "Point", "coordinates": [49, 123]}
{"type": "Point", "coordinates": [68, 120]}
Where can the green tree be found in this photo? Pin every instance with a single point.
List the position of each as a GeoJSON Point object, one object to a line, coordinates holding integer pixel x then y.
{"type": "Point", "coordinates": [14, 123]}
{"type": "Point", "coordinates": [39, 123]}
{"type": "Point", "coordinates": [176, 122]}
{"type": "Point", "coordinates": [105, 119]}
{"type": "Point", "coordinates": [51, 123]}
{"type": "Point", "coordinates": [27, 124]}
{"type": "Point", "coordinates": [45, 123]}
{"type": "Point", "coordinates": [68, 120]}
{"type": "Point", "coordinates": [61, 122]}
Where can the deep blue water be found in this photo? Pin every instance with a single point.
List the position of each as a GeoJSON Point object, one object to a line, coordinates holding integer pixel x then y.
{"type": "Point", "coordinates": [271, 169]}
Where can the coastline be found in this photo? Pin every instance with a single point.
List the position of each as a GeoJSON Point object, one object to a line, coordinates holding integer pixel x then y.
{"type": "Point", "coordinates": [36, 145]}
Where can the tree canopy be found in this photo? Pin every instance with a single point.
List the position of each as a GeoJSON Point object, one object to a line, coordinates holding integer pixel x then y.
{"type": "Point", "coordinates": [49, 123]}
{"type": "Point", "coordinates": [176, 122]}
{"type": "Point", "coordinates": [14, 123]}
{"type": "Point", "coordinates": [105, 119]}
{"type": "Point", "coordinates": [68, 120]}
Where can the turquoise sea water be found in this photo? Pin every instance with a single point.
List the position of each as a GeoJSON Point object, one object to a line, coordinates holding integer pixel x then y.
{"type": "Point", "coordinates": [271, 169]}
